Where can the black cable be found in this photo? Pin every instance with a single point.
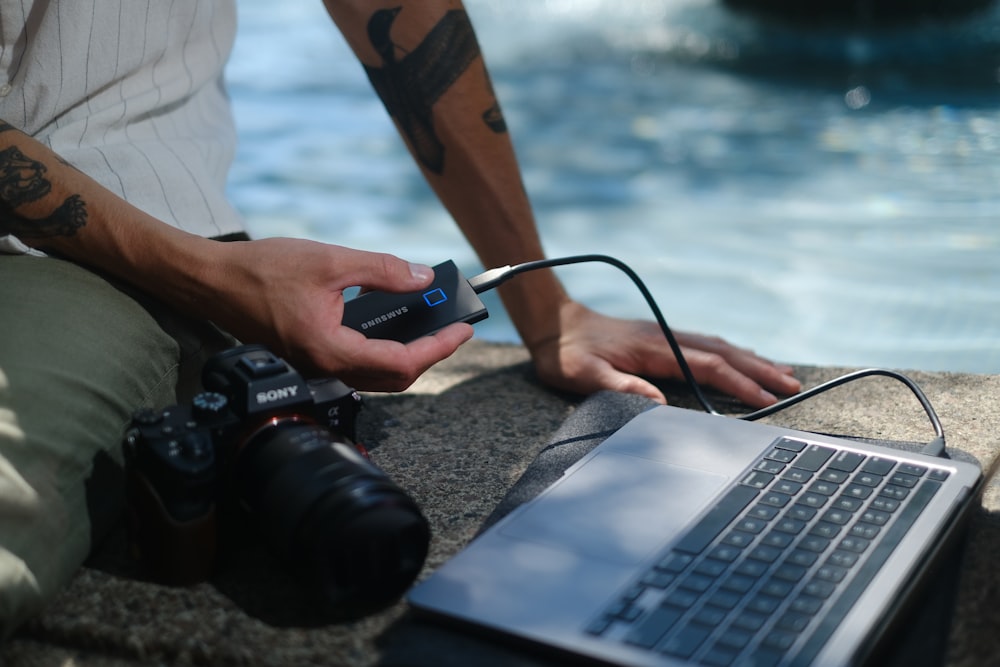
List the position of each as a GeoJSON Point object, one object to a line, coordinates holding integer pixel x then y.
{"type": "Point", "coordinates": [491, 278]}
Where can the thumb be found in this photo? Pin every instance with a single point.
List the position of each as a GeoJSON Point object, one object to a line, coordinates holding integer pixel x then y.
{"type": "Point", "coordinates": [392, 274]}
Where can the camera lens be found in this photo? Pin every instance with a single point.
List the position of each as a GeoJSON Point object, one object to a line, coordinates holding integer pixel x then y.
{"type": "Point", "coordinates": [337, 519]}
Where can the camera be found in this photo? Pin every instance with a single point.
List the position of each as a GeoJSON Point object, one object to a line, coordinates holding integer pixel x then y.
{"type": "Point", "coordinates": [261, 446]}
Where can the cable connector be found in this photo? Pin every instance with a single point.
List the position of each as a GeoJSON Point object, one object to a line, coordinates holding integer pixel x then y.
{"type": "Point", "coordinates": [490, 278]}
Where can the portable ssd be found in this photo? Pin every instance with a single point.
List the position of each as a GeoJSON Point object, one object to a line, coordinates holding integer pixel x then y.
{"type": "Point", "coordinates": [406, 317]}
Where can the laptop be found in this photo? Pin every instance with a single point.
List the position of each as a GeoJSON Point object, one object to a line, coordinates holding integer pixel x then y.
{"type": "Point", "coordinates": [690, 538]}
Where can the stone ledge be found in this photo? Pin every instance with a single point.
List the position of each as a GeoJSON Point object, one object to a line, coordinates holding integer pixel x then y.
{"type": "Point", "coordinates": [457, 440]}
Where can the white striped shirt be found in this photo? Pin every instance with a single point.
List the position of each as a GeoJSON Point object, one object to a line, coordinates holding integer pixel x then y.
{"type": "Point", "coordinates": [131, 93]}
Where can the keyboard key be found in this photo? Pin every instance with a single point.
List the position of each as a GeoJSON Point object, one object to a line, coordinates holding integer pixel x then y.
{"type": "Point", "coordinates": [878, 465]}
{"type": "Point", "coordinates": [773, 589]}
{"type": "Point", "coordinates": [675, 562]}
{"type": "Point", "coordinates": [825, 530]}
{"type": "Point", "coordinates": [633, 593]}
{"type": "Point", "coordinates": [867, 479]}
{"type": "Point", "coordinates": [790, 444]}
{"type": "Point", "coordinates": [858, 491]}
{"type": "Point", "coordinates": [599, 625]}
{"type": "Point", "coordinates": [686, 640]}
{"type": "Point", "coordinates": [767, 465]}
{"type": "Point", "coordinates": [818, 588]}
{"type": "Point", "coordinates": [777, 540]}
{"type": "Point", "coordinates": [766, 656]}
{"type": "Point", "coordinates": [847, 503]}
{"type": "Point", "coordinates": [757, 479]}
{"type": "Point", "coordinates": [814, 543]}
{"type": "Point", "coordinates": [797, 475]}
{"type": "Point", "coordinates": [654, 626]}
{"type": "Point", "coordinates": [738, 539]}
{"type": "Point", "coordinates": [831, 573]}
{"type": "Point", "coordinates": [839, 517]}
{"type": "Point", "coordinates": [775, 499]}
{"type": "Point", "coordinates": [751, 568]}
{"type": "Point", "coordinates": [712, 616]}
{"type": "Point", "coordinates": [765, 554]}
{"type": "Point", "coordinates": [803, 558]}
{"type": "Point", "coordinates": [813, 457]}
{"type": "Point", "coordinates": [805, 604]}
{"type": "Point", "coordinates": [835, 476]}
{"type": "Point", "coordinates": [734, 638]}
{"type": "Point", "coordinates": [894, 492]}
{"type": "Point", "coordinates": [725, 553]}
{"type": "Point", "coordinates": [813, 500]}
{"type": "Point", "coordinates": [912, 469]}
{"type": "Point", "coordinates": [750, 525]}
{"type": "Point", "coordinates": [786, 486]}
{"type": "Point", "coordinates": [680, 598]}
{"type": "Point", "coordinates": [696, 583]}
{"type": "Point", "coordinates": [847, 461]}
{"type": "Point", "coordinates": [789, 572]}
{"type": "Point", "coordinates": [724, 599]}
{"type": "Point", "coordinates": [719, 656]}
{"type": "Point", "coordinates": [800, 513]}
{"type": "Point", "coordinates": [867, 531]}
{"type": "Point", "coordinates": [657, 579]}
{"type": "Point", "coordinates": [855, 544]}
{"type": "Point", "coordinates": [629, 613]}
{"type": "Point", "coordinates": [750, 621]}
{"type": "Point", "coordinates": [763, 604]}
{"type": "Point", "coordinates": [939, 475]}
{"type": "Point", "coordinates": [824, 488]}
{"type": "Point", "coordinates": [885, 504]}
{"type": "Point", "coordinates": [781, 455]}
{"type": "Point", "coordinates": [842, 558]}
{"type": "Point", "coordinates": [901, 479]}
{"type": "Point", "coordinates": [711, 568]}
{"type": "Point", "coordinates": [793, 621]}
{"type": "Point", "coordinates": [738, 583]}
{"type": "Point", "coordinates": [765, 512]}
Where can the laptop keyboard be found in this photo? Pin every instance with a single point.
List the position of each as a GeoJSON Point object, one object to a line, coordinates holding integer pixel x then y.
{"type": "Point", "coordinates": [775, 566]}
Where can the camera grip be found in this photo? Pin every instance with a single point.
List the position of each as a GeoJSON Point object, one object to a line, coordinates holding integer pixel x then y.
{"type": "Point", "coordinates": [173, 552]}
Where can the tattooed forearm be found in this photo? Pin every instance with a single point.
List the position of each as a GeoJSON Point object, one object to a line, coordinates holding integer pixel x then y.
{"type": "Point", "coordinates": [22, 182]}
{"type": "Point", "coordinates": [409, 86]}
{"type": "Point", "coordinates": [64, 221]}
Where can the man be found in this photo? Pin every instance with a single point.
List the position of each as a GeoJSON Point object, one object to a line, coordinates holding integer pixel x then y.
{"type": "Point", "coordinates": [118, 283]}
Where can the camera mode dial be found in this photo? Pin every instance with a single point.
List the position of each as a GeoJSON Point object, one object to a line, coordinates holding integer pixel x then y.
{"type": "Point", "coordinates": [208, 404]}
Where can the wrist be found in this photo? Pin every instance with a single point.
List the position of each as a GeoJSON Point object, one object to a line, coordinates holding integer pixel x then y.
{"type": "Point", "coordinates": [534, 301]}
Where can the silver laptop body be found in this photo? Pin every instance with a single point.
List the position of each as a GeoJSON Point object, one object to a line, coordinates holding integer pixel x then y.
{"type": "Point", "coordinates": [642, 533]}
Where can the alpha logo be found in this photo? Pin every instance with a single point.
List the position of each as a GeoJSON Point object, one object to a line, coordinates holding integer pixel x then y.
{"type": "Point", "coordinates": [375, 321]}
{"type": "Point", "coordinates": [272, 395]}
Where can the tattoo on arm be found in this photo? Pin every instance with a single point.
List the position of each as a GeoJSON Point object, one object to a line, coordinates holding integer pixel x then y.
{"type": "Point", "coordinates": [23, 181]}
{"type": "Point", "coordinates": [410, 85]}
{"type": "Point", "coordinates": [493, 117]}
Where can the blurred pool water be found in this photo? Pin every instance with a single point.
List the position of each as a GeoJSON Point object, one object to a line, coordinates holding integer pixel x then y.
{"type": "Point", "coordinates": [824, 195]}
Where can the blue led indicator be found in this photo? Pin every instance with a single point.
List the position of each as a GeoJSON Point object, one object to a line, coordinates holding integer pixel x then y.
{"type": "Point", "coordinates": [435, 297]}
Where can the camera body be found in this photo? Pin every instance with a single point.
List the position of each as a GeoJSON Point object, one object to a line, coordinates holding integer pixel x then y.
{"type": "Point", "coordinates": [261, 445]}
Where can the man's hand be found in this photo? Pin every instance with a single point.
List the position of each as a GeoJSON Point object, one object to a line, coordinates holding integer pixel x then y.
{"type": "Point", "coordinates": [593, 352]}
{"type": "Point", "coordinates": [288, 295]}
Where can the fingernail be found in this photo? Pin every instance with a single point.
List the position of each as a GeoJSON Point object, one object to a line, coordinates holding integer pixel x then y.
{"type": "Point", "coordinates": [421, 272]}
{"type": "Point", "coordinates": [768, 396]}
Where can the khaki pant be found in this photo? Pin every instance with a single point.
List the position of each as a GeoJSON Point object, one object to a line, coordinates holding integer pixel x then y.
{"type": "Point", "coordinates": [78, 355]}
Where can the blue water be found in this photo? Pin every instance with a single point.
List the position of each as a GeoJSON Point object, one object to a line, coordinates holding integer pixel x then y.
{"type": "Point", "coordinates": [824, 196]}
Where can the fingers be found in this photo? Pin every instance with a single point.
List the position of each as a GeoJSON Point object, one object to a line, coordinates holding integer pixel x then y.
{"type": "Point", "coordinates": [738, 372]}
{"type": "Point", "coordinates": [385, 365]}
